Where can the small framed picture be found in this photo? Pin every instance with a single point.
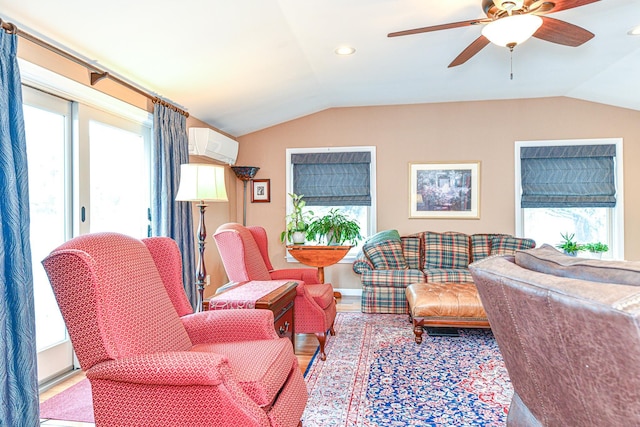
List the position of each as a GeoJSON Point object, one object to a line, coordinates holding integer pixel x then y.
{"type": "Point", "coordinates": [444, 190]}
{"type": "Point", "coordinates": [260, 191]}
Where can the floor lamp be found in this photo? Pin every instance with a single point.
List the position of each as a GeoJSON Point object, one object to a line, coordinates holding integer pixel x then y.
{"type": "Point", "coordinates": [246, 174]}
{"type": "Point", "coordinates": [201, 183]}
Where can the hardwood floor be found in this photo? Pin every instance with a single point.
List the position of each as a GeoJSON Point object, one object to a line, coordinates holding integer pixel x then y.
{"type": "Point", "coordinates": [306, 346]}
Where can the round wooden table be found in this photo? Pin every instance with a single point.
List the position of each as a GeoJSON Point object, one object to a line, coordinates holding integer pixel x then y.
{"type": "Point", "coordinates": [318, 256]}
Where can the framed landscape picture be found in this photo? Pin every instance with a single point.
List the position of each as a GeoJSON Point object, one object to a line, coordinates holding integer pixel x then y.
{"type": "Point", "coordinates": [260, 190]}
{"type": "Point", "coordinates": [444, 190]}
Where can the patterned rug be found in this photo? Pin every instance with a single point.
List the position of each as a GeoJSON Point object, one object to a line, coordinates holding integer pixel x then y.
{"type": "Point", "coordinates": [376, 375]}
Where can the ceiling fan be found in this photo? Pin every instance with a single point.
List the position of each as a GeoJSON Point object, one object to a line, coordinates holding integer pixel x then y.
{"type": "Point", "coordinates": [517, 15]}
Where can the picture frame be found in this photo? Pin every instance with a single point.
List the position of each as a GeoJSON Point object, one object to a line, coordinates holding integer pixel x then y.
{"type": "Point", "coordinates": [260, 190]}
{"type": "Point", "coordinates": [444, 190]}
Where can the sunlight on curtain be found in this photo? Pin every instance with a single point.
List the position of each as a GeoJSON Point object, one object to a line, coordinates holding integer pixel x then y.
{"type": "Point", "coordinates": [18, 381]}
{"type": "Point", "coordinates": [169, 218]}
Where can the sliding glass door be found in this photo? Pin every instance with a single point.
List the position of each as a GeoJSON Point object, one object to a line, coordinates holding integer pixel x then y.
{"type": "Point", "coordinates": [88, 172]}
{"type": "Point", "coordinates": [48, 130]}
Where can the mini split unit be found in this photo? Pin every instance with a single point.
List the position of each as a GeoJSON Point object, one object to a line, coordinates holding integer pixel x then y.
{"type": "Point", "coordinates": [209, 143]}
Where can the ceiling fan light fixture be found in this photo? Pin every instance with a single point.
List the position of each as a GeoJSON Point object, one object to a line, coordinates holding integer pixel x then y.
{"type": "Point", "coordinates": [515, 29]}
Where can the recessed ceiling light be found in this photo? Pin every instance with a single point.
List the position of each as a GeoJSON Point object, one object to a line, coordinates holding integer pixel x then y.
{"type": "Point", "coordinates": [635, 31]}
{"type": "Point", "coordinates": [345, 50]}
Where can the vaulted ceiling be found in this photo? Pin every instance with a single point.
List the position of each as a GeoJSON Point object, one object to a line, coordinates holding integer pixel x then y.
{"type": "Point", "coordinates": [245, 65]}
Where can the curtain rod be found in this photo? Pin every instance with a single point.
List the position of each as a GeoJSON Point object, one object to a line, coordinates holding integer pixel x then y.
{"type": "Point", "coordinates": [97, 74]}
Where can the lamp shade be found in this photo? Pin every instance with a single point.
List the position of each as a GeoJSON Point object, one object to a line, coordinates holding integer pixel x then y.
{"type": "Point", "coordinates": [512, 30]}
{"type": "Point", "coordinates": [201, 182]}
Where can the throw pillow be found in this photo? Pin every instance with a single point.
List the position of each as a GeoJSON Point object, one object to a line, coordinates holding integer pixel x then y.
{"type": "Point", "coordinates": [446, 250]}
{"type": "Point", "coordinates": [386, 255]}
{"type": "Point", "coordinates": [508, 245]}
{"type": "Point", "coordinates": [383, 236]}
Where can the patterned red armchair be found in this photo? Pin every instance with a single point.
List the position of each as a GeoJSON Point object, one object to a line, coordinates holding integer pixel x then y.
{"type": "Point", "coordinates": [150, 360]}
{"type": "Point", "coordinates": [244, 252]}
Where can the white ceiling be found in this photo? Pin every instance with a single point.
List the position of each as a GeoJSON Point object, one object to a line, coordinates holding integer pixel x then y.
{"type": "Point", "coordinates": [243, 65]}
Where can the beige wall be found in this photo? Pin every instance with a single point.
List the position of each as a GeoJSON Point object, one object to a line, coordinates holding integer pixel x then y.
{"type": "Point", "coordinates": [460, 131]}
{"type": "Point", "coordinates": [215, 214]}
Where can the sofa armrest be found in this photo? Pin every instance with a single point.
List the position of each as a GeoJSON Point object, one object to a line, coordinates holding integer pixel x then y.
{"type": "Point", "coordinates": [229, 325]}
{"type": "Point", "coordinates": [307, 275]}
{"type": "Point", "coordinates": [361, 263]}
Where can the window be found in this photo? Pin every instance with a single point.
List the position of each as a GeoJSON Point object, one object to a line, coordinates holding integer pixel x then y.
{"type": "Point", "coordinates": [333, 177]}
{"type": "Point", "coordinates": [571, 186]}
{"type": "Point", "coordinates": [89, 161]}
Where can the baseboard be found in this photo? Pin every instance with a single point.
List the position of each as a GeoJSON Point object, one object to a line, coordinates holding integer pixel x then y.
{"type": "Point", "coordinates": [349, 292]}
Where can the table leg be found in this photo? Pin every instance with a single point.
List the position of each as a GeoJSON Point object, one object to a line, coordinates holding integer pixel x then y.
{"type": "Point", "coordinates": [321, 274]}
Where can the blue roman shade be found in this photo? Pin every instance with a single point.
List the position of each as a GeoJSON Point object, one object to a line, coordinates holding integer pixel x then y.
{"type": "Point", "coordinates": [333, 179]}
{"type": "Point", "coordinates": [568, 176]}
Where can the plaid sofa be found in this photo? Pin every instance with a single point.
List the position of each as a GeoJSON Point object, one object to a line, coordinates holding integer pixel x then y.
{"type": "Point", "coordinates": [388, 265]}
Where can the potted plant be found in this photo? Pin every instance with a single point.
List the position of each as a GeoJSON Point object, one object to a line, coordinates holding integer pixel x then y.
{"type": "Point", "coordinates": [568, 245]}
{"type": "Point", "coordinates": [334, 227]}
{"type": "Point", "coordinates": [596, 249]}
{"type": "Point", "coordinates": [297, 221]}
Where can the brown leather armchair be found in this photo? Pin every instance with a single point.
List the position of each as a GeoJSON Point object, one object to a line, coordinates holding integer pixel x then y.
{"type": "Point", "coordinates": [569, 331]}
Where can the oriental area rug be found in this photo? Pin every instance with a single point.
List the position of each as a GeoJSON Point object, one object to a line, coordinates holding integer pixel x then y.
{"type": "Point", "coordinates": [376, 375]}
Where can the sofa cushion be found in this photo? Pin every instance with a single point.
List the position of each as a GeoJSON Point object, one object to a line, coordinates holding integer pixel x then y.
{"type": "Point", "coordinates": [549, 260]}
{"type": "Point", "coordinates": [386, 255]}
{"type": "Point", "coordinates": [446, 250]}
{"type": "Point", "coordinates": [412, 251]}
{"type": "Point", "coordinates": [481, 246]}
{"type": "Point", "coordinates": [508, 245]}
{"type": "Point", "coordinates": [447, 275]}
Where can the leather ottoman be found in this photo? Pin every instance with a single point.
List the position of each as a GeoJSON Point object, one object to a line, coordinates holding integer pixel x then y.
{"type": "Point", "coordinates": [454, 305]}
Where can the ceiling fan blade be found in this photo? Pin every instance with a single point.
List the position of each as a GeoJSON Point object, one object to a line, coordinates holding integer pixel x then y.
{"type": "Point", "coordinates": [471, 50]}
{"type": "Point", "coordinates": [561, 32]}
{"type": "Point", "coordinates": [570, 4]}
{"type": "Point", "coordinates": [436, 28]}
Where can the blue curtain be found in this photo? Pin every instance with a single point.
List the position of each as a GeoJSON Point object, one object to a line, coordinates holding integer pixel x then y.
{"type": "Point", "coordinates": [168, 217]}
{"type": "Point", "coordinates": [18, 378]}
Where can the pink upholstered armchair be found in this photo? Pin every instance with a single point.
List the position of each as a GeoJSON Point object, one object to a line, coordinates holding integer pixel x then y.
{"type": "Point", "coordinates": [150, 360]}
{"type": "Point", "coordinates": [244, 252]}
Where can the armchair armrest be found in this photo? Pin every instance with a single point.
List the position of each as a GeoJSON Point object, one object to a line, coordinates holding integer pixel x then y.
{"type": "Point", "coordinates": [307, 275]}
{"type": "Point", "coordinates": [177, 368]}
{"type": "Point", "coordinates": [229, 325]}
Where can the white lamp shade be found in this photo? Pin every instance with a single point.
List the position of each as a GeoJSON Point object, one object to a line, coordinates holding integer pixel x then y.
{"type": "Point", "coordinates": [514, 29]}
{"type": "Point", "coordinates": [201, 182]}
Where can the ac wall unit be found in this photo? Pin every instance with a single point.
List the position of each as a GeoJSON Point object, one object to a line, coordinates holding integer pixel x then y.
{"type": "Point", "coordinates": [207, 142]}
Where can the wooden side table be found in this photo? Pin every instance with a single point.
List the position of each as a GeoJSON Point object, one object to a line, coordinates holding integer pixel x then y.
{"type": "Point", "coordinates": [318, 256]}
{"type": "Point", "coordinates": [279, 301]}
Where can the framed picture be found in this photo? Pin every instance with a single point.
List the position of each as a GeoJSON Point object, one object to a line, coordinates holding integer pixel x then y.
{"type": "Point", "coordinates": [444, 190]}
{"type": "Point", "coordinates": [260, 190]}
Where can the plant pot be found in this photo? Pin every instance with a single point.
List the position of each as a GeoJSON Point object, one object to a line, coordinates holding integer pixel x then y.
{"type": "Point", "coordinates": [298, 237]}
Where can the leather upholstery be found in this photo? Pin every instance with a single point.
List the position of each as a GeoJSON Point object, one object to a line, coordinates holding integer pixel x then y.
{"type": "Point", "coordinates": [149, 359]}
{"type": "Point", "coordinates": [458, 301]}
{"type": "Point", "coordinates": [571, 346]}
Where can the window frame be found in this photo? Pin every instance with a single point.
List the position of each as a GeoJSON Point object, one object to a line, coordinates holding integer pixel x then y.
{"type": "Point", "coordinates": [616, 214]}
{"type": "Point", "coordinates": [372, 225]}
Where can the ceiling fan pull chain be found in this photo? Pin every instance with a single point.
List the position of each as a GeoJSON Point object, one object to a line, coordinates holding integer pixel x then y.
{"type": "Point", "coordinates": [511, 46]}
{"type": "Point", "coordinates": [511, 61]}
